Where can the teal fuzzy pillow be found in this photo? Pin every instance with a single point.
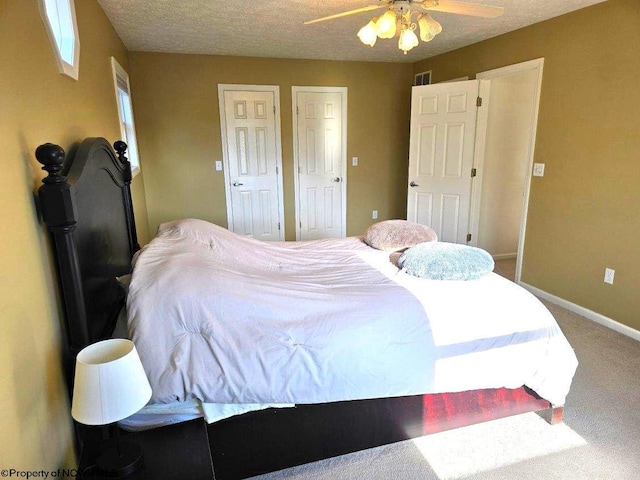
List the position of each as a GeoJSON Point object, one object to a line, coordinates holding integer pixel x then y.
{"type": "Point", "coordinates": [446, 261]}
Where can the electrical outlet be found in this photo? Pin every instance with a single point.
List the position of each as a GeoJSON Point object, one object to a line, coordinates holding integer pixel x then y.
{"type": "Point", "coordinates": [609, 274]}
{"type": "Point", "coordinates": [538, 169]}
{"type": "Point", "coordinates": [374, 214]}
{"type": "Point", "coordinates": [354, 161]}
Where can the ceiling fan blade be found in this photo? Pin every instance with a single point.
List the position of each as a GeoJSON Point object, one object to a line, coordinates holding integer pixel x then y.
{"type": "Point", "coordinates": [463, 8]}
{"type": "Point", "coordinates": [344, 14]}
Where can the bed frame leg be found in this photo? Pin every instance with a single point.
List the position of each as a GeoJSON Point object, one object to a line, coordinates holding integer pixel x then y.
{"type": "Point", "coordinates": [553, 415]}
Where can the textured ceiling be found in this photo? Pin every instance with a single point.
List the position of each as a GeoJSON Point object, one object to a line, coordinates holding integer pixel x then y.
{"type": "Point", "coordinates": [274, 28]}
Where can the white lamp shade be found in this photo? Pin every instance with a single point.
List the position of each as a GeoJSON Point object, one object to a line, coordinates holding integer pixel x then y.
{"type": "Point", "coordinates": [407, 40]}
{"type": "Point", "coordinates": [110, 383]}
{"type": "Point", "coordinates": [386, 24]}
{"type": "Point", "coordinates": [367, 34]}
{"type": "Point", "coordinates": [429, 27]}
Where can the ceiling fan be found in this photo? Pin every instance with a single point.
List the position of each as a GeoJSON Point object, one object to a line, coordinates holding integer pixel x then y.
{"type": "Point", "coordinates": [398, 19]}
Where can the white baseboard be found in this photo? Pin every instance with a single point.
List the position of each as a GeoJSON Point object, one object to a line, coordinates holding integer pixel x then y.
{"type": "Point", "coordinates": [505, 256]}
{"type": "Point", "coordinates": [585, 312]}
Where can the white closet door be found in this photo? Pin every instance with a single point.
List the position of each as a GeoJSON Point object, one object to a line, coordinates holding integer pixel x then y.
{"type": "Point", "coordinates": [320, 151]}
{"type": "Point", "coordinates": [252, 159]}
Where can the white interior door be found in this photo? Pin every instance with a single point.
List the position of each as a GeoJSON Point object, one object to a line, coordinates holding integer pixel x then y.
{"type": "Point", "coordinates": [441, 157]}
{"type": "Point", "coordinates": [250, 128]}
{"type": "Point", "coordinates": [320, 151]}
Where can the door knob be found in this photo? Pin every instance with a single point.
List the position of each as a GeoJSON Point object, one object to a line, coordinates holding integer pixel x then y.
{"type": "Point", "coordinates": [237, 184]}
{"type": "Point", "coordinates": [413, 184]}
{"type": "Point", "coordinates": [336, 179]}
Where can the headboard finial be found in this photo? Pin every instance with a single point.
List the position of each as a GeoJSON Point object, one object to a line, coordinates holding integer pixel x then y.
{"type": "Point", "coordinates": [56, 200]}
{"type": "Point", "coordinates": [51, 156]}
{"type": "Point", "coordinates": [121, 147]}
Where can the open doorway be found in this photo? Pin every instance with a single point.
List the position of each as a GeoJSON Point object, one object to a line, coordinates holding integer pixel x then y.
{"type": "Point", "coordinates": [508, 161]}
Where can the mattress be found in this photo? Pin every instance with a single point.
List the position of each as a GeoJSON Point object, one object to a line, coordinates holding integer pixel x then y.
{"type": "Point", "coordinates": [225, 319]}
{"type": "Point", "coordinates": [162, 414]}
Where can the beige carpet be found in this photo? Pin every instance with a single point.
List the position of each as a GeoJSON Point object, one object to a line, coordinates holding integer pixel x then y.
{"type": "Point", "coordinates": [600, 438]}
{"type": "Point", "coordinates": [506, 268]}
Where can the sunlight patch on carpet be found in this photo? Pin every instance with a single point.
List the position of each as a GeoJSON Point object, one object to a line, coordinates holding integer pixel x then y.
{"type": "Point", "coordinates": [455, 454]}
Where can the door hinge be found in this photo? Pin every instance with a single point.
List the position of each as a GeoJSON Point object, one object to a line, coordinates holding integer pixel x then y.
{"type": "Point", "coordinates": [479, 102]}
{"type": "Point", "coordinates": [278, 225]}
{"type": "Point", "coordinates": [468, 237]}
{"type": "Point", "coordinates": [473, 172]}
{"type": "Point", "coordinates": [274, 109]}
{"type": "Point", "coordinates": [297, 110]}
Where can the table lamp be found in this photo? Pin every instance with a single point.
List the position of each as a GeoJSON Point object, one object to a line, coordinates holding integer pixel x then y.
{"type": "Point", "coordinates": [110, 385]}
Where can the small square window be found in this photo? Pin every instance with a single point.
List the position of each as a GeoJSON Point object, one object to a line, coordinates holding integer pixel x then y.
{"type": "Point", "coordinates": [125, 114]}
{"type": "Point", "coordinates": [59, 17]}
{"type": "Point", "coordinates": [423, 78]}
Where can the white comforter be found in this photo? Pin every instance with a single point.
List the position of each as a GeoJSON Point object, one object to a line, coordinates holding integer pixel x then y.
{"type": "Point", "coordinates": [224, 318]}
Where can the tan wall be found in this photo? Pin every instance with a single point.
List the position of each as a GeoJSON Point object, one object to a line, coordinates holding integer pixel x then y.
{"type": "Point", "coordinates": [175, 99]}
{"type": "Point", "coordinates": [39, 105]}
{"type": "Point", "coordinates": [584, 214]}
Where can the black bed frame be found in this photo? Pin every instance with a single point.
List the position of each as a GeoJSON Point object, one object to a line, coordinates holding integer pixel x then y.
{"type": "Point", "coordinates": [85, 201]}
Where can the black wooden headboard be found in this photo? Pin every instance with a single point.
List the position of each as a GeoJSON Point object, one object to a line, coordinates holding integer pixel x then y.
{"type": "Point", "coordinates": [86, 204]}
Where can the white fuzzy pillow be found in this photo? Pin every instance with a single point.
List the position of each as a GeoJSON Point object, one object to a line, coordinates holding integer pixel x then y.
{"type": "Point", "coordinates": [394, 235]}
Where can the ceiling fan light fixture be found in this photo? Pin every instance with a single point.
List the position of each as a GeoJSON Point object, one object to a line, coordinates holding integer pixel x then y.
{"type": "Point", "coordinates": [398, 18]}
{"type": "Point", "coordinates": [386, 24]}
{"type": "Point", "coordinates": [408, 40]}
{"type": "Point", "coordinates": [368, 34]}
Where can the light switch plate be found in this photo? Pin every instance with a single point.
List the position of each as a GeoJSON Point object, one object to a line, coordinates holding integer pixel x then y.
{"type": "Point", "coordinates": [609, 275]}
{"type": "Point", "coordinates": [218, 165]}
{"type": "Point", "coordinates": [354, 161]}
{"type": "Point", "coordinates": [538, 169]}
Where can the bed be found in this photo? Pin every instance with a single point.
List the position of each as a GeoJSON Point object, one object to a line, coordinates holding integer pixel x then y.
{"type": "Point", "coordinates": [341, 350]}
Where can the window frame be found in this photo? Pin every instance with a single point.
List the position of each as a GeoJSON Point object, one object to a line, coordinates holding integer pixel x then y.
{"type": "Point", "coordinates": [419, 78]}
{"type": "Point", "coordinates": [126, 130]}
{"type": "Point", "coordinates": [68, 37]}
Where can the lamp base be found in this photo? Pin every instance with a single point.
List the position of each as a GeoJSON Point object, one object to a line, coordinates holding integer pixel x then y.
{"type": "Point", "coordinates": [119, 459]}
